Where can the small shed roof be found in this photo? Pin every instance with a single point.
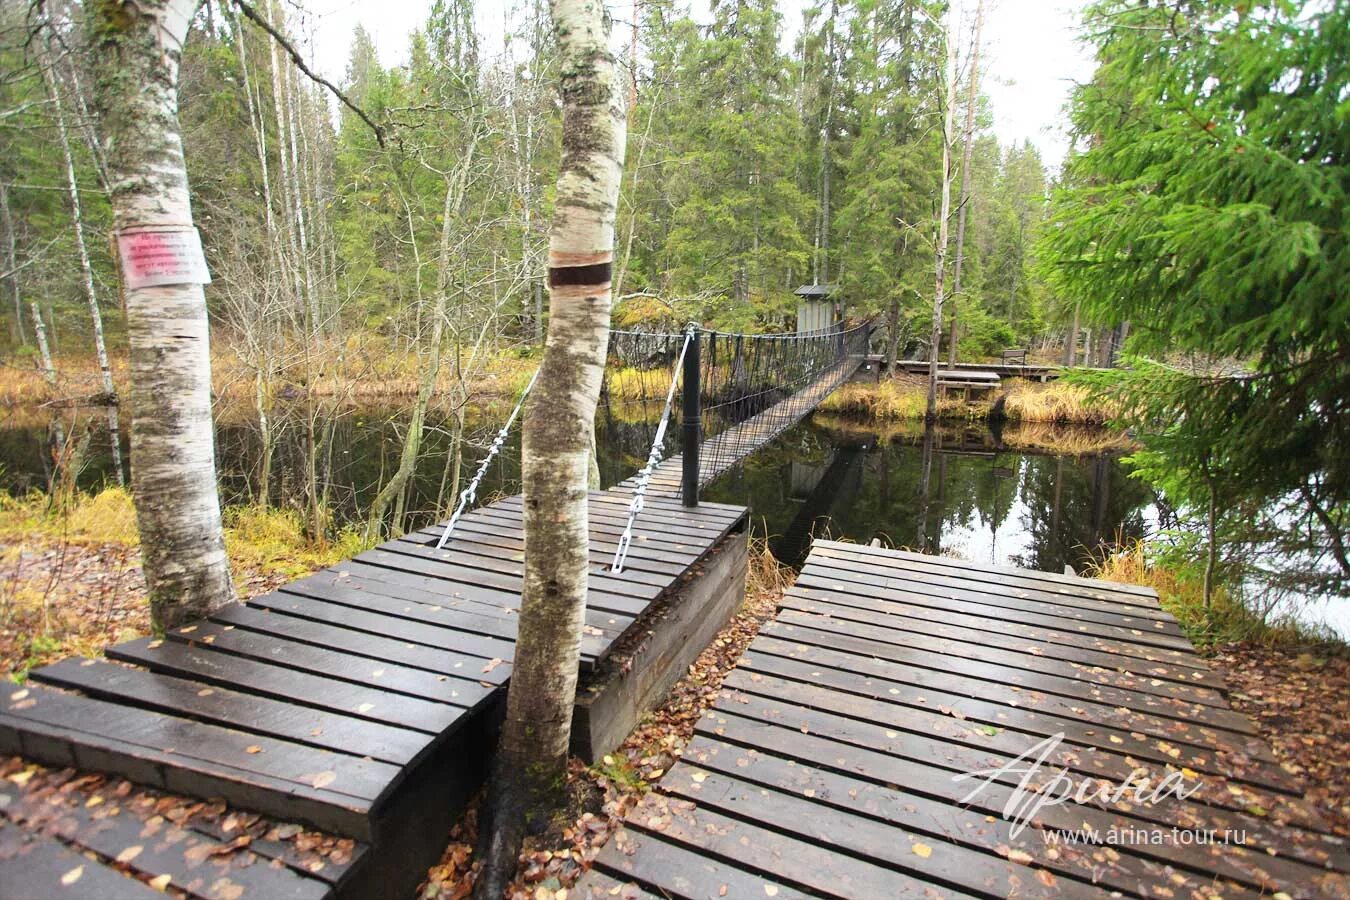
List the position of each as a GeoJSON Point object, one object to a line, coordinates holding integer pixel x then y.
{"type": "Point", "coordinates": [816, 291]}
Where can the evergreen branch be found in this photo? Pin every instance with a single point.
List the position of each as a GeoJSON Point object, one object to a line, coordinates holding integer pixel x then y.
{"type": "Point", "coordinates": [258, 19]}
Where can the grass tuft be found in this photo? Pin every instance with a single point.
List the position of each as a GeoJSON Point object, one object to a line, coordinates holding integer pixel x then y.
{"type": "Point", "coordinates": [1181, 591]}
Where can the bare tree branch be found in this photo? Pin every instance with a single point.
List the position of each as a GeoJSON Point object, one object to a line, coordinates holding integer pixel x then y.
{"type": "Point", "coordinates": [258, 19]}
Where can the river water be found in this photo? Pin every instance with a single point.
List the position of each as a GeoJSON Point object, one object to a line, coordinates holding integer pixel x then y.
{"type": "Point", "coordinates": [980, 499]}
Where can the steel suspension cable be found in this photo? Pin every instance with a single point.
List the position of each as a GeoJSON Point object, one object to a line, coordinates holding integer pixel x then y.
{"type": "Point", "coordinates": [470, 492]}
{"type": "Point", "coordinates": [653, 458]}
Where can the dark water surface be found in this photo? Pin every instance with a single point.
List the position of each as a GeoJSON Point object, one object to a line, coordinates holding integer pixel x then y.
{"type": "Point", "coordinates": [979, 499]}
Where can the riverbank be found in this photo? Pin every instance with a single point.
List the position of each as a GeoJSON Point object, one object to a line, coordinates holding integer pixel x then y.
{"type": "Point", "coordinates": [905, 398]}
{"type": "Point", "coordinates": [368, 368]}
{"type": "Point", "coordinates": [71, 581]}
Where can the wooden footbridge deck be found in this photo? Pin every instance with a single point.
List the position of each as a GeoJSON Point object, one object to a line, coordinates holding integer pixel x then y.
{"type": "Point", "coordinates": [832, 765]}
{"type": "Point", "coordinates": [362, 700]}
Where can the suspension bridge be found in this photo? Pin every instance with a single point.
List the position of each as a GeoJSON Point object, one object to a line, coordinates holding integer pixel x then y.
{"type": "Point", "coordinates": [363, 700]}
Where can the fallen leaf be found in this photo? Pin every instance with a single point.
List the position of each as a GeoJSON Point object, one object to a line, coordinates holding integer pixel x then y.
{"type": "Point", "coordinates": [922, 850]}
{"type": "Point", "coordinates": [492, 664]}
{"type": "Point", "coordinates": [129, 853]}
{"type": "Point", "coordinates": [161, 882]}
{"type": "Point", "coordinates": [253, 748]}
{"type": "Point", "coordinates": [323, 779]}
{"type": "Point", "coordinates": [72, 876]}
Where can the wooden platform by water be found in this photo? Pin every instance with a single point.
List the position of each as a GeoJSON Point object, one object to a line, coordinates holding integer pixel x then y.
{"type": "Point", "coordinates": [829, 766]}
{"type": "Point", "coordinates": [362, 700]}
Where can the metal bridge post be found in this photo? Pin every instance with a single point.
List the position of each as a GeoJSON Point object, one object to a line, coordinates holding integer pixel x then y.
{"type": "Point", "coordinates": [692, 413]}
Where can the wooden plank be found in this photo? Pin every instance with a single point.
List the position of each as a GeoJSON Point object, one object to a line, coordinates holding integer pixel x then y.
{"type": "Point", "coordinates": [1053, 595]}
{"type": "Point", "coordinates": [195, 863]}
{"type": "Point", "coordinates": [776, 753]}
{"type": "Point", "coordinates": [1144, 596]}
{"type": "Point", "coordinates": [33, 867]}
{"type": "Point", "coordinates": [457, 690]}
{"type": "Point", "coordinates": [473, 618]}
{"type": "Point", "coordinates": [916, 612]}
{"type": "Point", "coordinates": [1013, 605]}
{"type": "Point", "coordinates": [198, 759]}
{"type": "Point", "coordinates": [471, 645]}
{"type": "Point", "coordinates": [349, 582]}
{"type": "Point", "coordinates": [1084, 721]}
{"type": "Point", "coordinates": [847, 632]}
{"type": "Point", "coordinates": [802, 641]}
{"type": "Point", "coordinates": [779, 857]}
{"type": "Point", "coordinates": [361, 644]}
{"type": "Point", "coordinates": [303, 690]}
{"type": "Point", "coordinates": [601, 552]}
{"type": "Point", "coordinates": [916, 723]}
{"type": "Point", "coordinates": [928, 856]}
{"type": "Point", "coordinates": [670, 869]}
{"type": "Point", "coordinates": [245, 712]}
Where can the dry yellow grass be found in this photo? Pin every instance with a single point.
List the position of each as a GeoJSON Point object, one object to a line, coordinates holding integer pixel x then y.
{"type": "Point", "coordinates": [1181, 592]}
{"type": "Point", "coordinates": [906, 397]}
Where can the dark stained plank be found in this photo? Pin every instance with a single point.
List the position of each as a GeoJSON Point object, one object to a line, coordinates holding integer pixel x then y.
{"type": "Point", "coordinates": [777, 856]}
{"type": "Point", "coordinates": [197, 864]}
{"type": "Point", "coordinates": [1155, 626]}
{"type": "Point", "coordinates": [770, 747]}
{"type": "Point", "coordinates": [947, 618]}
{"type": "Point", "coordinates": [471, 645]}
{"type": "Point", "coordinates": [965, 678]}
{"type": "Point", "coordinates": [1142, 595]}
{"type": "Point", "coordinates": [34, 867]}
{"type": "Point", "coordinates": [333, 791]}
{"type": "Point", "coordinates": [350, 582]}
{"type": "Point", "coordinates": [823, 627]}
{"type": "Point", "coordinates": [893, 843]}
{"type": "Point", "coordinates": [670, 869]}
{"type": "Point", "coordinates": [221, 706]}
{"type": "Point", "coordinates": [457, 691]}
{"type": "Point", "coordinates": [1134, 629]}
{"type": "Point", "coordinates": [361, 644]}
{"type": "Point", "coordinates": [303, 690]}
{"type": "Point", "coordinates": [1013, 725]}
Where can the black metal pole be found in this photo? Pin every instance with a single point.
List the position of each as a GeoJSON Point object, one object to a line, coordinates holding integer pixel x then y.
{"type": "Point", "coordinates": [693, 425]}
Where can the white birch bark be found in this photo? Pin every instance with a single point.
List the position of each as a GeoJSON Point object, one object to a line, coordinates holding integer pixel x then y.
{"type": "Point", "coordinates": [86, 267]}
{"type": "Point", "coordinates": [136, 48]}
{"type": "Point", "coordinates": [530, 767]}
{"type": "Point", "coordinates": [944, 213]}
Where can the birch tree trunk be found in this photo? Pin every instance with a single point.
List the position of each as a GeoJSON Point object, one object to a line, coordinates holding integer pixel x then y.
{"type": "Point", "coordinates": [136, 46]}
{"type": "Point", "coordinates": [944, 213]}
{"type": "Point", "coordinates": [86, 267]}
{"type": "Point", "coordinates": [968, 145]}
{"type": "Point", "coordinates": [529, 774]}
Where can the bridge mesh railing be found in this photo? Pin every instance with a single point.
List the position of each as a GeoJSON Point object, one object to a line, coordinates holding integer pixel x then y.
{"type": "Point", "coordinates": [751, 388]}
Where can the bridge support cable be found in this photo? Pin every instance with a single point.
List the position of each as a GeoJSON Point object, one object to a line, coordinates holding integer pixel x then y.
{"type": "Point", "coordinates": [470, 492]}
{"type": "Point", "coordinates": [654, 456]}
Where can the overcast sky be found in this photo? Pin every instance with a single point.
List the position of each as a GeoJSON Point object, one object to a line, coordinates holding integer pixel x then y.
{"type": "Point", "coordinates": [1031, 55]}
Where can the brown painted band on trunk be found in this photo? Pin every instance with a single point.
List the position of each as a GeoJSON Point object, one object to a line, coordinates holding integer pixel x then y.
{"type": "Point", "coordinates": [596, 274]}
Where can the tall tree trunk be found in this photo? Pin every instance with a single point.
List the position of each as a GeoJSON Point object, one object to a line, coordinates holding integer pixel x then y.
{"type": "Point", "coordinates": [530, 768]}
{"type": "Point", "coordinates": [11, 263]}
{"type": "Point", "coordinates": [86, 267]}
{"type": "Point", "coordinates": [944, 213]}
{"type": "Point", "coordinates": [1071, 344]}
{"type": "Point", "coordinates": [136, 47]}
{"type": "Point", "coordinates": [968, 145]}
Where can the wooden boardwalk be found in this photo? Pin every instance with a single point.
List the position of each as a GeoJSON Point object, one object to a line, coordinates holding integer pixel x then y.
{"type": "Point", "coordinates": [830, 766]}
{"type": "Point", "coordinates": [362, 700]}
